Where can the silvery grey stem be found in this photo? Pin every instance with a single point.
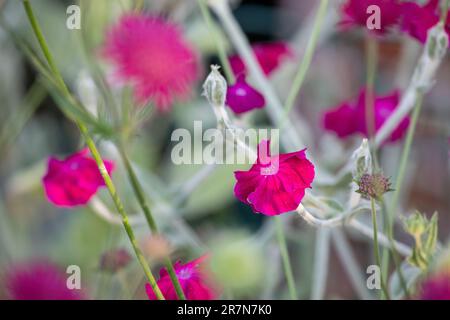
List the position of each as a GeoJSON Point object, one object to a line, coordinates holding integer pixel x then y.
{"type": "Point", "coordinates": [348, 260]}
{"type": "Point", "coordinates": [291, 139]}
{"type": "Point", "coordinates": [320, 268]}
{"type": "Point", "coordinates": [346, 219]}
{"type": "Point", "coordinates": [421, 82]}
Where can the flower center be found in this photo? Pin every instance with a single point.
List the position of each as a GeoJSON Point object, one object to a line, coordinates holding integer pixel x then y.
{"type": "Point", "coordinates": [184, 274]}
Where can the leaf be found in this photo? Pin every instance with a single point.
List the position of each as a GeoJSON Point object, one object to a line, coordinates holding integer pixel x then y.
{"type": "Point", "coordinates": [424, 232]}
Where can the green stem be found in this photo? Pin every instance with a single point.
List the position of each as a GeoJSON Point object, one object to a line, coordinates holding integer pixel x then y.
{"type": "Point", "coordinates": [376, 247]}
{"type": "Point", "coordinates": [372, 61]}
{"type": "Point", "coordinates": [93, 149]}
{"type": "Point", "coordinates": [285, 256]}
{"type": "Point", "coordinates": [306, 61]}
{"type": "Point", "coordinates": [218, 42]}
{"type": "Point", "coordinates": [138, 191]}
{"type": "Point", "coordinates": [404, 159]}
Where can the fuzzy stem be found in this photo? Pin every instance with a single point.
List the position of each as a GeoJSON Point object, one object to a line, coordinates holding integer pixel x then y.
{"type": "Point", "coordinates": [93, 149]}
{"type": "Point", "coordinates": [139, 193]}
{"type": "Point", "coordinates": [285, 257]}
{"type": "Point", "coordinates": [375, 245]}
{"type": "Point", "coordinates": [421, 81]}
{"type": "Point", "coordinates": [306, 60]}
{"type": "Point", "coordinates": [291, 139]}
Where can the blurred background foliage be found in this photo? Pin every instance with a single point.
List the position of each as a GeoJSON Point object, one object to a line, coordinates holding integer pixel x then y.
{"type": "Point", "coordinates": [244, 253]}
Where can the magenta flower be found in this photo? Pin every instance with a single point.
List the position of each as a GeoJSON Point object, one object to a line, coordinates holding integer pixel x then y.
{"type": "Point", "coordinates": [274, 184]}
{"type": "Point", "coordinates": [436, 287]}
{"type": "Point", "coordinates": [74, 180]}
{"type": "Point", "coordinates": [153, 56]}
{"type": "Point", "coordinates": [38, 280]}
{"type": "Point", "coordinates": [350, 118]}
{"type": "Point", "coordinates": [341, 120]}
{"type": "Point", "coordinates": [384, 107]}
{"type": "Point", "coordinates": [417, 20]}
{"type": "Point", "coordinates": [354, 13]}
{"type": "Point", "coordinates": [269, 56]}
{"type": "Point", "coordinates": [241, 97]}
{"type": "Point", "coordinates": [194, 280]}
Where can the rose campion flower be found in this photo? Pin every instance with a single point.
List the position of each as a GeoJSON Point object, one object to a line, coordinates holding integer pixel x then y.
{"type": "Point", "coordinates": [74, 180]}
{"type": "Point", "coordinates": [38, 280]}
{"type": "Point", "coordinates": [341, 120]}
{"type": "Point", "coordinates": [436, 287]}
{"type": "Point", "coordinates": [269, 56]}
{"type": "Point", "coordinates": [194, 280]}
{"type": "Point", "coordinates": [354, 13]}
{"type": "Point", "coordinates": [417, 20]}
{"type": "Point", "coordinates": [241, 97]}
{"type": "Point", "coordinates": [274, 184]}
{"type": "Point", "coordinates": [350, 118]}
{"type": "Point", "coordinates": [152, 55]}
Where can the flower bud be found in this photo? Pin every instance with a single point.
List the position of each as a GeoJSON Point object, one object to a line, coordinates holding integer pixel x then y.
{"type": "Point", "coordinates": [373, 185]}
{"type": "Point", "coordinates": [215, 87]}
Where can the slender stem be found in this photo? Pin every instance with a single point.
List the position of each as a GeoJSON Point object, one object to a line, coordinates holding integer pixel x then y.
{"type": "Point", "coordinates": [375, 245]}
{"type": "Point", "coordinates": [306, 61]}
{"type": "Point", "coordinates": [285, 256]}
{"type": "Point", "coordinates": [139, 193]}
{"type": "Point", "coordinates": [217, 41]}
{"type": "Point", "coordinates": [371, 61]}
{"type": "Point", "coordinates": [404, 159]}
{"type": "Point", "coordinates": [321, 257]}
{"type": "Point", "coordinates": [95, 154]}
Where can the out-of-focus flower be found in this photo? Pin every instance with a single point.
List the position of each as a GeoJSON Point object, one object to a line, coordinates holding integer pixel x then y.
{"type": "Point", "coordinates": [373, 185]}
{"type": "Point", "coordinates": [238, 264]}
{"type": "Point", "coordinates": [341, 120]}
{"type": "Point", "coordinates": [241, 97]}
{"type": "Point", "coordinates": [350, 118]}
{"type": "Point", "coordinates": [153, 56]}
{"type": "Point", "coordinates": [156, 247]}
{"type": "Point", "coordinates": [114, 260]}
{"type": "Point", "coordinates": [74, 180]}
{"type": "Point", "coordinates": [417, 20]}
{"type": "Point", "coordinates": [274, 184]}
{"type": "Point", "coordinates": [269, 56]}
{"type": "Point", "coordinates": [38, 280]}
{"type": "Point", "coordinates": [354, 13]}
{"type": "Point", "coordinates": [384, 106]}
{"type": "Point", "coordinates": [194, 280]}
{"type": "Point", "coordinates": [436, 287]}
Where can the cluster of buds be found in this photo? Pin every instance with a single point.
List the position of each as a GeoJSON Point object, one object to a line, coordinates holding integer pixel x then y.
{"type": "Point", "coordinates": [373, 186]}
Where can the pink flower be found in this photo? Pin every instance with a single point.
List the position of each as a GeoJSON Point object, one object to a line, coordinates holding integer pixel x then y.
{"type": "Point", "coordinates": [384, 107]}
{"type": "Point", "coordinates": [152, 54]}
{"type": "Point", "coordinates": [74, 180]}
{"type": "Point", "coordinates": [274, 184]}
{"type": "Point", "coordinates": [341, 120]}
{"type": "Point", "coordinates": [417, 20]}
{"type": "Point", "coordinates": [436, 287]}
{"type": "Point", "coordinates": [38, 280]}
{"type": "Point", "coordinates": [354, 13]}
{"type": "Point", "coordinates": [241, 97]}
{"type": "Point", "coordinates": [350, 118]}
{"type": "Point", "coordinates": [194, 281]}
{"type": "Point", "coordinates": [269, 55]}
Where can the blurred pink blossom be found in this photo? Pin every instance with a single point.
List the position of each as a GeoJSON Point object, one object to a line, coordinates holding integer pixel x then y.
{"type": "Point", "coordinates": [74, 180]}
{"type": "Point", "coordinates": [241, 97]}
{"type": "Point", "coordinates": [153, 56]}
{"type": "Point", "coordinates": [194, 280]}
